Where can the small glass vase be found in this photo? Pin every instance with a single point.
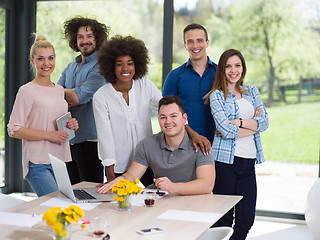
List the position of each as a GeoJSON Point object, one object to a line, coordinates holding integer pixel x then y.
{"type": "Point", "coordinates": [67, 236]}
{"type": "Point", "coordinates": [124, 205]}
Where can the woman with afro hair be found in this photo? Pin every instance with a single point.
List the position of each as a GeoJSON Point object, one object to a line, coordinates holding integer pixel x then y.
{"type": "Point", "coordinates": [122, 106]}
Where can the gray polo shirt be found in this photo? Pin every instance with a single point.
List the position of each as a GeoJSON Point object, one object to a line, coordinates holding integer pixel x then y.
{"type": "Point", "coordinates": [178, 165]}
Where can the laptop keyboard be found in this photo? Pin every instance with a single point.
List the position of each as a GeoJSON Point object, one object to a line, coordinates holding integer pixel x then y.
{"type": "Point", "coordinates": [81, 194]}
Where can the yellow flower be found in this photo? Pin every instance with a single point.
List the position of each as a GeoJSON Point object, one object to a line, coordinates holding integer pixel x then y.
{"type": "Point", "coordinates": [68, 212]}
{"type": "Point", "coordinates": [125, 187]}
{"type": "Point", "coordinates": [77, 210]}
{"type": "Point", "coordinates": [57, 227]}
{"type": "Point", "coordinates": [122, 192]}
{"type": "Point", "coordinates": [57, 217]}
{"type": "Point", "coordinates": [130, 188]}
{"type": "Point", "coordinates": [75, 217]}
{"type": "Point", "coordinates": [121, 184]}
{"type": "Point", "coordinates": [70, 219]}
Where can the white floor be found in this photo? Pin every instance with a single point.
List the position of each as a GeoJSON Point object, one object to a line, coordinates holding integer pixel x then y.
{"type": "Point", "coordinates": [271, 230]}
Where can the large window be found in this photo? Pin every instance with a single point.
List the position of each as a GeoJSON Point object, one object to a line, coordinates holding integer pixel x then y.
{"type": "Point", "coordinates": [2, 92]}
{"type": "Point", "coordinates": [280, 41]}
{"type": "Point", "coordinates": [141, 19]}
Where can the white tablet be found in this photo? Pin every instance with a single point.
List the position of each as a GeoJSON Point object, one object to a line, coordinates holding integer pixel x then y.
{"type": "Point", "coordinates": [61, 124]}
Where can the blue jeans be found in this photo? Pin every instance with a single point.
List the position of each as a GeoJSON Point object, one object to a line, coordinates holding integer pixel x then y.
{"type": "Point", "coordinates": [238, 178]}
{"type": "Point", "coordinates": [41, 178]}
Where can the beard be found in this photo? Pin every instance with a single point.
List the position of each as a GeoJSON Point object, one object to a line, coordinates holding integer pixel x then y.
{"type": "Point", "coordinates": [87, 52]}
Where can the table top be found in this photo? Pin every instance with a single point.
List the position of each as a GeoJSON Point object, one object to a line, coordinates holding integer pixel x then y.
{"type": "Point", "coordinates": [123, 225]}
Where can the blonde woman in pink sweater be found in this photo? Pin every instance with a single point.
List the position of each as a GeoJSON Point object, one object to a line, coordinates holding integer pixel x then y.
{"type": "Point", "coordinates": [38, 104]}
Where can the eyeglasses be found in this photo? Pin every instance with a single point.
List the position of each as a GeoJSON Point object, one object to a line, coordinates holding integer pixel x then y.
{"type": "Point", "coordinates": [106, 237]}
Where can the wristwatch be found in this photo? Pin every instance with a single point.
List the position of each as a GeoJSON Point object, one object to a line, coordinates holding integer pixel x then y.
{"type": "Point", "coordinates": [240, 126]}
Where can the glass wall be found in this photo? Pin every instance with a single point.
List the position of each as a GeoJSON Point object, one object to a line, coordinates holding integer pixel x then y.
{"type": "Point", "coordinates": [280, 41]}
{"type": "Point", "coordinates": [2, 92]}
{"type": "Point", "coordinates": [141, 19]}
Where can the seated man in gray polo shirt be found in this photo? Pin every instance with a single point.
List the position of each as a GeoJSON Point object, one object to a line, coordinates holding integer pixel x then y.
{"type": "Point", "coordinates": [177, 167]}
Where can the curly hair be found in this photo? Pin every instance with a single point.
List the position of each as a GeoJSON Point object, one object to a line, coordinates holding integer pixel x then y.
{"type": "Point", "coordinates": [71, 27]}
{"type": "Point", "coordinates": [123, 46]}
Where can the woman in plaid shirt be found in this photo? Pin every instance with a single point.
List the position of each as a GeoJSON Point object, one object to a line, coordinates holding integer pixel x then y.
{"type": "Point", "coordinates": [240, 116]}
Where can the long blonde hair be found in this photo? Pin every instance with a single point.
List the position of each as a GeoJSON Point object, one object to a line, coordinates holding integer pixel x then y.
{"type": "Point", "coordinates": [220, 81]}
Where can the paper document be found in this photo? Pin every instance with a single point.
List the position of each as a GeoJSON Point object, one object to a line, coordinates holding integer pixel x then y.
{"type": "Point", "coordinates": [192, 216]}
{"type": "Point", "coordinates": [66, 202]}
{"type": "Point", "coordinates": [61, 124]}
{"type": "Point", "coordinates": [18, 219]}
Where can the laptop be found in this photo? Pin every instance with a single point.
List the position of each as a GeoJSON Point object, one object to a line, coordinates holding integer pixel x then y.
{"type": "Point", "coordinates": [80, 195]}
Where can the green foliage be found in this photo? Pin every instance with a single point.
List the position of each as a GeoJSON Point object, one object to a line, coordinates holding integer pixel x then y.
{"type": "Point", "coordinates": [270, 32]}
{"type": "Point", "coordinates": [141, 19]}
{"type": "Point", "coordinates": [293, 133]}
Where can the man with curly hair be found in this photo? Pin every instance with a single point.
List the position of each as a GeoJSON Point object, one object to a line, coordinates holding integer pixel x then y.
{"type": "Point", "coordinates": [81, 79]}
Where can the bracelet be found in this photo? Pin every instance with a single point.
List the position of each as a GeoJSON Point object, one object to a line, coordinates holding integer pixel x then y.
{"type": "Point", "coordinates": [240, 126]}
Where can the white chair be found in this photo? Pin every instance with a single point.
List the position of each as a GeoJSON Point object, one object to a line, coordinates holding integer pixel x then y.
{"type": "Point", "coordinates": [216, 233]}
{"type": "Point", "coordinates": [312, 213]}
{"type": "Point", "coordinates": [8, 201]}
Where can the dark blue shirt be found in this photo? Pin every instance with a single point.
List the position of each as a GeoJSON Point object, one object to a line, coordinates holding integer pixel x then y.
{"type": "Point", "coordinates": [85, 80]}
{"type": "Point", "coordinates": [187, 84]}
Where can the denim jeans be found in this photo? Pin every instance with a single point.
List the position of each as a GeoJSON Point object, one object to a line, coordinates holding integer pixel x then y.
{"type": "Point", "coordinates": [42, 179]}
{"type": "Point", "coordinates": [238, 178]}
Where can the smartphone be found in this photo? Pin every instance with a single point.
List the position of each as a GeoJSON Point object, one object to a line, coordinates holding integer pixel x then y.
{"type": "Point", "coordinates": [150, 230]}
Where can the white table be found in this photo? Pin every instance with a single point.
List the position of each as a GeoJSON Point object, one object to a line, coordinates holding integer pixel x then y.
{"type": "Point", "coordinates": [123, 225]}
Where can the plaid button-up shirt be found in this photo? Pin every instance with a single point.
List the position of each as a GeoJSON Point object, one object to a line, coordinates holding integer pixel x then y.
{"type": "Point", "coordinates": [223, 111]}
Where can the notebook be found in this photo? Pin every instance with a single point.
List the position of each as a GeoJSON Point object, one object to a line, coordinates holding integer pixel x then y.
{"type": "Point", "coordinates": [79, 195]}
{"type": "Point", "coordinates": [61, 124]}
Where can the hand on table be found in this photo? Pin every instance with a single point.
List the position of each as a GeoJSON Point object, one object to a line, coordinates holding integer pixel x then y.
{"type": "Point", "coordinates": [105, 187]}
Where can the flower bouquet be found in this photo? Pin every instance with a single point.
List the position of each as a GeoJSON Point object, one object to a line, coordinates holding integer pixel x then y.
{"type": "Point", "coordinates": [124, 188]}
{"type": "Point", "coordinates": [61, 218]}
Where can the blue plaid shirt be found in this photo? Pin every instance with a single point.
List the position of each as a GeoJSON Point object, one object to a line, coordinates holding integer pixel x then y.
{"type": "Point", "coordinates": [223, 111]}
